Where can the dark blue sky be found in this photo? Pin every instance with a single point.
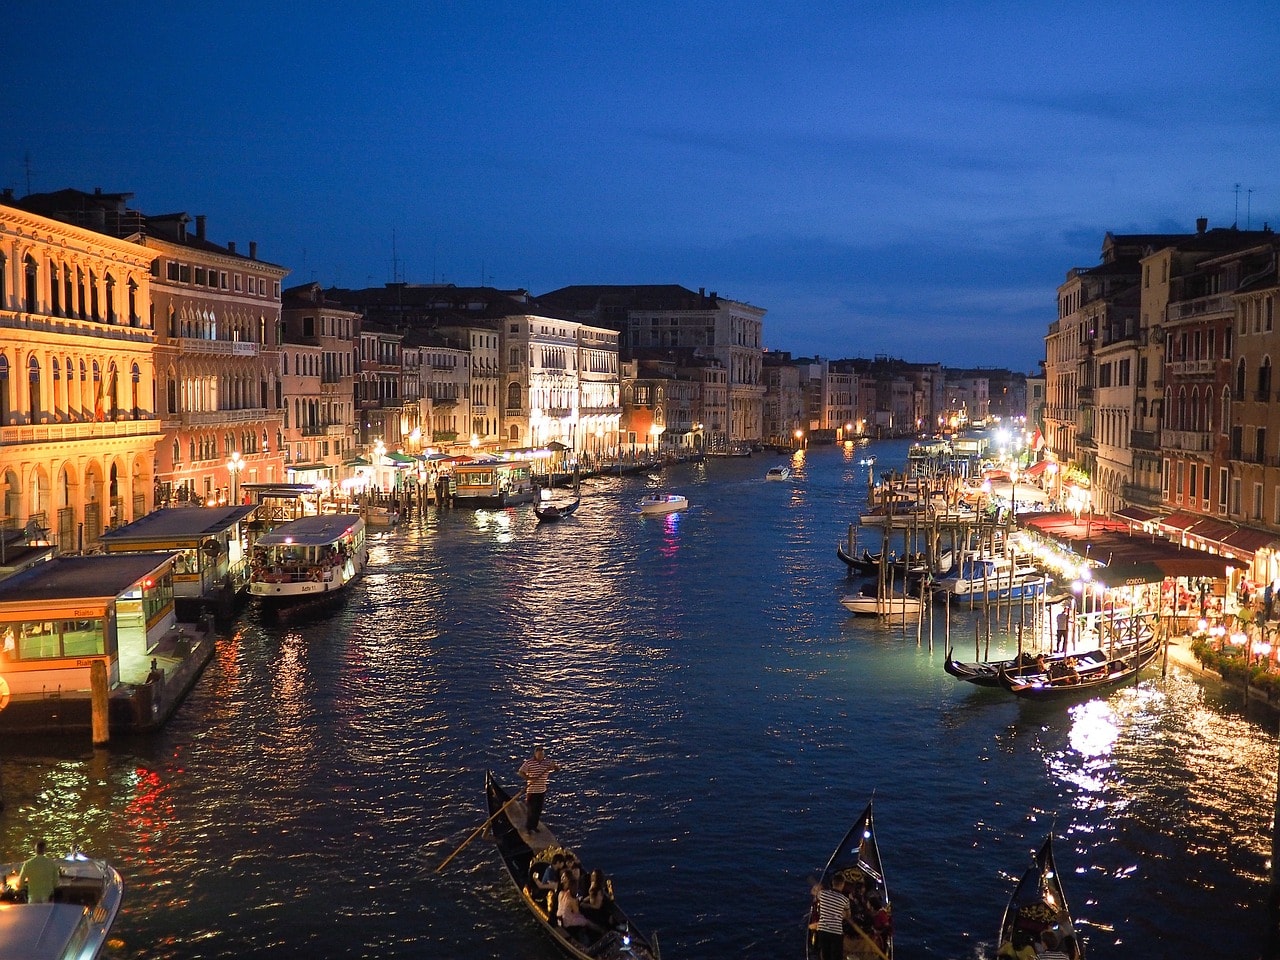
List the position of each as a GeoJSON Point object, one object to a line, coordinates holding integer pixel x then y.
{"type": "Point", "coordinates": [911, 178]}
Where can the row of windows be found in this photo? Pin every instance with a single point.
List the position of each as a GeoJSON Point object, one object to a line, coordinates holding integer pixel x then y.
{"type": "Point", "coordinates": [74, 293]}
{"type": "Point", "coordinates": [178, 272]}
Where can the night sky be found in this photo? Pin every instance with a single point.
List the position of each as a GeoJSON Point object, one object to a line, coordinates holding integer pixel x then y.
{"type": "Point", "coordinates": [904, 178]}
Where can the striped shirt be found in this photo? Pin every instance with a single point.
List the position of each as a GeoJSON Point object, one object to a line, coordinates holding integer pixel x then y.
{"type": "Point", "coordinates": [536, 772]}
{"type": "Point", "coordinates": [831, 909]}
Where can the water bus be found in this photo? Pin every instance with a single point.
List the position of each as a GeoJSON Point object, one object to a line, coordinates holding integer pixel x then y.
{"type": "Point", "coordinates": [308, 558]}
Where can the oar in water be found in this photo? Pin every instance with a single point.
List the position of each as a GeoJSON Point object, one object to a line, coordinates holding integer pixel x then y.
{"type": "Point", "coordinates": [479, 830]}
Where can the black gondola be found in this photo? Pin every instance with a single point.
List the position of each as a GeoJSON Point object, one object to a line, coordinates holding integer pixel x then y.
{"type": "Point", "coordinates": [857, 860]}
{"type": "Point", "coordinates": [865, 564]}
{"type": "Point", "coordinates": [1074, 675]}
{"type": "Point", "coordinates": [522, 854]}
{"type": "Point", "coordinates": [1039, 904]}
{"type": "Point", "coordinates": [987, 673]}
{"type": "Point", "coordinates": [551, 510]}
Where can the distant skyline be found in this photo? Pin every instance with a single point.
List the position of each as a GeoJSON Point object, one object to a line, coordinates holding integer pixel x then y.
{"type": "Point", "coordinates": [914, 180]}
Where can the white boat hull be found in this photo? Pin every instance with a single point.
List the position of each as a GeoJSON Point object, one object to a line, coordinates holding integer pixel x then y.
{"type": "Point", "coordinates": [872, 606]}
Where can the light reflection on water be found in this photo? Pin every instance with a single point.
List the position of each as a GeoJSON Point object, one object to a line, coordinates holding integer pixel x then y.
{"type": "Point", "coordinates": [721, 721]}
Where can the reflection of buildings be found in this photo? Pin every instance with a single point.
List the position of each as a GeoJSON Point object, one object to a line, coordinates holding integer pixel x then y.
{"type": "Point", "coordinates": [78, 429]}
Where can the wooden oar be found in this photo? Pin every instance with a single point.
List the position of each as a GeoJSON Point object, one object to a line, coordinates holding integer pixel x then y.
{"type": "Point", "coordinates": [479, 830]}
{"type": "Point", "coordinates": [870, 942]}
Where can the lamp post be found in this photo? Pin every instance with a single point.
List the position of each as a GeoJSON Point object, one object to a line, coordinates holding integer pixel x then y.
{"type": "Point", "coordinates": [656, 431]}
{"type": "Point", "coordinates": [799, 437]}
{"type": "Point", "coordinates": [234, 465]}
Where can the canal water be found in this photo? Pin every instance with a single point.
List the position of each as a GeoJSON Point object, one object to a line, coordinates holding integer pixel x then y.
{"type": "Point", "coordinates": [721, 722]}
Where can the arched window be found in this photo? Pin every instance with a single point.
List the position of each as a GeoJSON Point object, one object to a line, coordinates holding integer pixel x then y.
{"type": "Point", "coordinates": [55, 288]}
{"type": "Point", "coordinates": [1264, 380]}
{"type": "Point", "coordinates": [513, 396]}
{"type": "Point", "coordinates": [1240, 378]}
{"type": "Point", "coordinates": [177, 453]}
{"type": "Point", "coordinates": [33, 389]}
{"type": "Point", "coordinates": [134, 319]}
{"type": "Point", "coordinates": [55, 396]}
{"type": "Point", "coordinates": [135, 377]}
{"type": "Point", "coordinates": [31, 300]}
{"type": "Point", "coordinates": [4, 384]}
{"type": "Point", "coordinates": [111, 299]}
{"type": "Point", "coordinates": [99, 412]}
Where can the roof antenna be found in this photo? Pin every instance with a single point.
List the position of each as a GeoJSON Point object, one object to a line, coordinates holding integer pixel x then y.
{"type": "Point", "coordinates": [395, 261]}
{"type": "Point", "coordinates": [26, 160]}
{"type": "Point", "coordinates": [1248, 209]}
{"type": "Point", "coordinates": [1236, 221]}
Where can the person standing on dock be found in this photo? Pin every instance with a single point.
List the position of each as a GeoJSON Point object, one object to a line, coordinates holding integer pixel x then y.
{"type": "Point", "coordinates": [535, 771]}
{"type": "Point", "coordinates": [1064, 628]}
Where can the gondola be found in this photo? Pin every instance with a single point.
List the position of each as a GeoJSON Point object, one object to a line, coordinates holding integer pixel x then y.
{"type": "Point", "coordinates": [864, 564]}
{"type": "Point", "coordinates": [551, 510]}
{"type": "Point", "coordinates": [1078, 674]}
{"type": "Point", "coordinates": [857, 860]}
{"type": "Point", "coordinates": [522, 854]}
{"type": "Point", "coordinates": [1038, 904]}
{"type": "Point", "coordinates": [987, 674]}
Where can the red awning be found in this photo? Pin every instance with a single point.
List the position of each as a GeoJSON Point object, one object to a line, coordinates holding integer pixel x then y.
{"type": "Point", "coordinates": [1181, 520]}
{"type": "Point", "coordinates": [1136, 515]}
{"type": "Point", "coordinates": [1248, 540]}
{"type": "Point", "coordinates": [1215, 530]}
{"type": "Point", "coordinates": [1037, 468]}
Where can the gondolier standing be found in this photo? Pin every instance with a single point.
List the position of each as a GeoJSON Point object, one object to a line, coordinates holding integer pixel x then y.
{"type": "Point", "coordinates": [833, 911]}
{"type": "Point", "coordinates": [535, 772]}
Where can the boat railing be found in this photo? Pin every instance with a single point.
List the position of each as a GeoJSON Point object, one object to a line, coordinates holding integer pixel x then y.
{"type": "Point", "coordinates": [295, 573]}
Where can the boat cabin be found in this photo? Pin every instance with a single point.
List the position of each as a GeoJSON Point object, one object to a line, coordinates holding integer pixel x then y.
{"type": "Point", "coordinates": [493, 483]}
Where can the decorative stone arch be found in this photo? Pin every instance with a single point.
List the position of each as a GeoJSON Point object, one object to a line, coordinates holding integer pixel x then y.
{"type": "Point", "coordinates": [96, 504]}
{"type": "Point", "coordinates": [12, 494]}
{"type": "Point", "coordinates": [65, 501]}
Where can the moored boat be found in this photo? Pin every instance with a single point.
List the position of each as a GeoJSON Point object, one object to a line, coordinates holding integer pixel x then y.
{"type": "Point", "coordinates": [74, 925]}
{"type": "Point", "coordinates": [1038, 905]}
{"type": "Point", "coordinates": [1077, 674]}
{"type": "Point", "coordinates": [863, 564]}
{"type": "Point", "coordinates": [308, 558]}
{"type": "Point", "coordinates": [993, 578]}
{"type": "Point", "coordinates": [524, 854]}
{"type": "Point", "coordinates": [868, 603]}
{"type": "Point", "coordinates": [857, 861]}
{"type": "Point", "coordinates": [660, 504]}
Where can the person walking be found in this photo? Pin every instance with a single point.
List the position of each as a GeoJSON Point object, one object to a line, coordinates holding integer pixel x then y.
{"type": "Point", "coordinates": [535, 771]}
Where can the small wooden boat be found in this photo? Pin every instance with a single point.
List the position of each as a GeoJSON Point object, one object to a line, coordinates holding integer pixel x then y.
{"type": "Point", "coordinates": [523, 855]}
{"type": "Point", "coordinates": [857, 861]}
{"type": "Point", "coordinates": [987, 673]}
{"type": "Point", "coordinates": [778, 473]}
{"type": "Point", "coordinates": [74, 925]}
{"type": "Point", "coordinates": [548, 511]}
{"type": "Point", "coordinates": [1039, 904]}
{"type": "Point", "coordinates": [1073, 675]}
{"type": "Point", "coordinates": [660, 504]}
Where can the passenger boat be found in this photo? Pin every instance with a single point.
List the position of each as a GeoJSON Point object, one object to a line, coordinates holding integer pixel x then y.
{"type": "Point", "coordinates": [980, 577]}
{"type": "Point", "coordinates": [523, 855]}
{"type": "Point", "coordinates": [492, 483]}
{"type": "Point", "coordinates": [857, 861]}
{"type": "Point", "coordinates": [1039, 904]}
{"type": "Point", "coordinates": [75, 925]}
{"type": "Point", "coordinates": [868, 603]}
{"type": "Point", "coordinates": [548, 511]}
{"type": "Point", "coordinates": [1073, 675]}
{"type": "Point", "coordinates": [778, 473]}
{"type": "Point", "coordinates": [308, 558]}
{"type": "Point", "coordinates": [659, 504]}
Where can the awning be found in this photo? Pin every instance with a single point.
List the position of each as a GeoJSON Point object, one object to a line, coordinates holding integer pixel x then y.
{"type": "Point", "coordinates": [1136, 515]}
{"type": "Point", "coordinates": [1181, 520]}
{"type": "Point", "coordinates": [1215, 530]}
{"type": "Point", "coordinates": [1037, 468]}
{"type": "Point", "coordinates": [400, 459]}
{"type": "Point", "coordinates": [1248, 540]}
{"type": "Point", "coordinates": [1157, 569]}
{"type": "Point", "coordinates": [357, 462]}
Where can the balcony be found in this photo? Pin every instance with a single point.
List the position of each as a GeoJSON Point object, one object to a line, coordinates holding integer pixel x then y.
{"type": "Point", "coordinates": [211, 418]}
{"type": "Point", "coordinates": [80, 430]}
{"type": "Point", "coordinates": [1190, 441]}
{"type": "Point", "coordinates": [228, 348]}
{"type": "Point", "coordinates": [1144, 440]}
{"type": "Point", "coordinates": [1086, 441]}
{"type": "Point", "coordinates": [1200, 307]}
{"type": "Point", "coordinates": [1085, 393]}
{"type": "Point", "coordinates": [1191, 368]}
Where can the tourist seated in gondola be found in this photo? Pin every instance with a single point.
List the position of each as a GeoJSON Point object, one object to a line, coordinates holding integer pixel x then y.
{"type": "Point", "coordinates": [569, 913]}
{"type": "Point", "coordinates": [881, 923]}
{"type": "Point", "coordinates": [597, 905]}
{"type": "Point", "coordinates": [1020, 947]}
{"type": "Point", "coordinates": [546, 876]}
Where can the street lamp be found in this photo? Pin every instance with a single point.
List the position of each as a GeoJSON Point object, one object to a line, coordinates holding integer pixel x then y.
{"type": "Point", "coordinates": [799, 437]}
{"type": "Point", "coordinates": [234, 466]}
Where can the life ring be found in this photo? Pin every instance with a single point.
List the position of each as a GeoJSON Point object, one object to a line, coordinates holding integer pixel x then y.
{"type": "Point", "coordinates": [316, 574]}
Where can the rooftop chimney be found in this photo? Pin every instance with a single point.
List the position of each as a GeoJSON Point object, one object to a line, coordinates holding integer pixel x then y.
{"type": "Point", "coordinates": [253, 249]}
{"type": "Point", "coordinates": [231, 246]}
{"type": "Point", "coordinates": [1202, 224]}
{"type": "Point", "coordinates": [199, 226]}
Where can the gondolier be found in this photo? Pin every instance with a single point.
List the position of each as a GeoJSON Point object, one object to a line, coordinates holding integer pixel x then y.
{"type": "Point", "coordinates": [535, 771]}
{"type": "Point", "coordinates": [833, 912]}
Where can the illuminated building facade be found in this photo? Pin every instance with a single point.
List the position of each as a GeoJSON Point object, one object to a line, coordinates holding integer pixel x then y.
{"type": "Point", "coordinates": [78, 427]}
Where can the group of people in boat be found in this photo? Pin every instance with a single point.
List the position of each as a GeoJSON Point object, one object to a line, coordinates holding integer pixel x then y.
{"type": "Point", "coordinates": [580, 903]}
{"type": "Point", "coordinates": [843, 908]}
{"type": "Point", "coordinates": [1051, 943]}
{"type": "Point", "coordinates": [284, 571]}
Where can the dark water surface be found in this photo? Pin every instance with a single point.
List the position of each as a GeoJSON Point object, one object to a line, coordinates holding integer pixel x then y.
{"type": "Point", "coordinates": [721, 720]}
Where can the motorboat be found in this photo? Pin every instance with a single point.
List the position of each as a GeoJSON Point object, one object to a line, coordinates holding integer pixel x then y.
{"type": "Point", "coordinates": [308, 558]}
{"type": "Point", "coordinates": [660, 504]}
{"type": "Point", "coordinates": [74, 925]}
{"type": "Point", "coordinates": [982, 576]}
{"type": "Point", "coordinates": [896, 605]}
{"type": "Point", "coordinates": [778, 473]}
